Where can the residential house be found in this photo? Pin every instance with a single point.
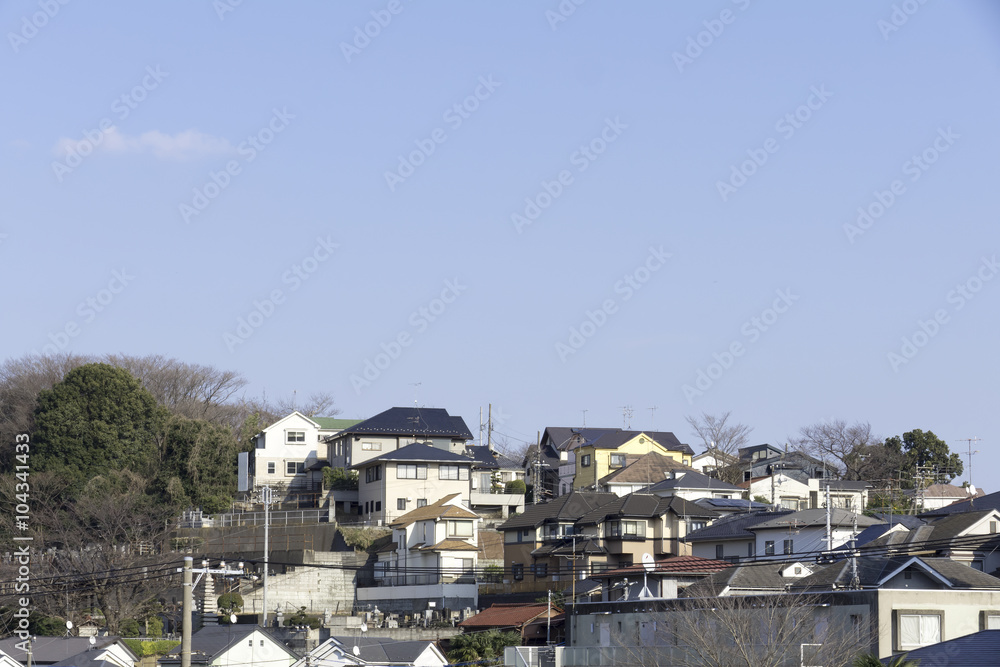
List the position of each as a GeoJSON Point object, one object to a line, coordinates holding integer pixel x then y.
{"type": "Point", "coordinates": [220, 645]}
{"type": "Point", "coordinates": [937, 496]}
{"type": "Point", "coordinates": [598, 456]}
{"type": "Point", "coordinates": [491, 472]}
{"type": "Point", "coordinates": [663, 579]}
{"type": "Point", "coordinates": [431, 560]}
{"type": "Point", "coordinates": [536, 623]}
{"type": "Point", "coordinates": [631, 526]}
{"type": "Point", "coordinates": [803, 533]}
{"type": "Point", "coordinates": [971, 538]}
{"type": "Point", "coordinates": [989, 501]}
{"type": "Point", "coordinates": [763, 460]}
{"type": "Point", "coordinates": [374, 652]}
{"type": "Point", "coordinates": [694, 485]}
{"type": "Point", "coordinates": [543, 545]}
{"type": "Point", "coordinates": [711, 460]}
{"type": "Point", "coordinates": [794, 493]}
{"type": "Point", "coordinates": [730, 538]}
{"type": "Point", "coordinates": [394, 429]}
{"type": "Point", "coordinates": [594, 452]}
{"type": "Point", "coordinates": [290, 453]}
{"type": "Point", "coordinates": [879, 604]}
{"type": "Point", "coordinates": [640, 472]}
{"type": "Point", "coordinates": [107, 651]}
{"type": "Point", "coordinates": [394, 483]}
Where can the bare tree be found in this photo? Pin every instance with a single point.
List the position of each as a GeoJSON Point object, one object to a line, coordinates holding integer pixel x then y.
{"type": "Point", "coordinates": [319, 404]}
{"type": "Point", "coordinates": [724, 439]}
{"type": "Point", "coordinates": [740, 631]}
{"type": "Point", "coordinates": [101, 550]}
{"type": "Point", "coordinates": [845, 446]}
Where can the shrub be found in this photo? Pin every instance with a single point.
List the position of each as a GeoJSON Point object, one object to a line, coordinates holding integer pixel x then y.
{"type": "Point", "coordinates": [516, 486]}
{"type": "Point", "coordinates": [146, 649]}
{"type": "Point", "coordinates": [230, 603]}
{"type": "Point", "coordinates": [362, 537]}
{"type": "Point", "coordinates": [339, 479]}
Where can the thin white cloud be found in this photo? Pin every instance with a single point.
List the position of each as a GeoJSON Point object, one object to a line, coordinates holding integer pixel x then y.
{"type": "Point", "coordinates": [186, 145]}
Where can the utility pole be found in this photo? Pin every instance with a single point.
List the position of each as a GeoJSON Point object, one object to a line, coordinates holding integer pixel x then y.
{"type": "Point", "coordinates": [489, 428]}
{"type": "Point", "coordinates": [480, 425]}
{"type": "Point", "coordinates": [573, 589]}
{"type": "Point", "coordinates": [267, 549]}
{"type": "Point", "coordinates": [548, 622]}
{"type": "Point", "coordinates": [186, 601]}
{"type": "Point", "coordinates": [829, 530]}
{"type": "Point", "coordinates": [536, 489]}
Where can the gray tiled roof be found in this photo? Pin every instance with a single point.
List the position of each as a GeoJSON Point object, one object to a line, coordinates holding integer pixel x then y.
{"type": "Point", "coordinates": [380, 651]}
{"type": "Point", "coordinates": [50, 650]}
{"type": "Point", "coordinates": [693, 480]}
{"type": "Point", "coordinates": [990, 501]}
{"type": "Point", "coordinates": [569, 507]}
{"type": "Point", "coordinates": [872, 570]}
{"type": "Point", "coordinates": [817, 517]}
{"type": "Point", "coordinates": [639, 505]}
{"type": "Point", "coordinates": [733, 527]}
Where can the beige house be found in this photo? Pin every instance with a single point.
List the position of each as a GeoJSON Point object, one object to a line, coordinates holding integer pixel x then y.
{"type": "Point", "coordinates": [409, 478]}
{"type": "Point", "coordinates": [431, 558]}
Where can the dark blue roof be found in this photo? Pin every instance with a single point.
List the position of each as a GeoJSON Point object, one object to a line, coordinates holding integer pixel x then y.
{"type": "Point", "coordinates": [427, 422]}
{"type": "Point", "coordinates": [419, 451]}
{"type": "Point", "coordinates": [908, 520]}
{"type": "Point", "coordinates": [980, 649]}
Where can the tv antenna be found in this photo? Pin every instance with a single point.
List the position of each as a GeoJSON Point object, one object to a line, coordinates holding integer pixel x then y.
{"type": "Point", "coordinates": [627, 413]}
{"type": "Point", "coordinates": [415, 385]}
{"type": "Point", "coordinates": [584, 417]}
{"type": "Point", "coordinates": [652, 417]}
{"type": "Point", "coordinates": [969, 453]}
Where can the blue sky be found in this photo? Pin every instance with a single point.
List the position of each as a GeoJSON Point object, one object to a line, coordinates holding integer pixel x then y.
{"type": "Point", "coordinates": [547, 207]}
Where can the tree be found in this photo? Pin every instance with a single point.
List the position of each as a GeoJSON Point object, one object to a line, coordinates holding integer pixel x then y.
{"type": "Point", "coordinates": [725, 438]}
{"type": "Point", "coordinates": [98, 419]}
{"type": "Point", "coordinates": [871, 660]}
{"type": "Point", "coordinates": [485, 646]}
{"type": "Point", "coordinates": [515, 486]}
{"type": "Point", "coordinates": [924, 449]}
{"type": "Point", "coordinates": [844, 446]}
{"type": "Point", "coordinates": [197, 464]}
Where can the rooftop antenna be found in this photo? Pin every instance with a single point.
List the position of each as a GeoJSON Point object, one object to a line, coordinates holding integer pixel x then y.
{"type": "Point", "coordinates": [627, 413]}
{"type": "Point", "coordinates": [652, 417]}
{"type": "Point", "coordinates": [415, 385]}
{"type": "Point", "coordinates": [584, 417]}
{"type": "Point", "coordinates": [969, 453]}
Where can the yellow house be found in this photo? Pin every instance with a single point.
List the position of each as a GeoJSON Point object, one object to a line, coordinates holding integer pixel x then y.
{"type": "Point", "coordinates": [609, 451]}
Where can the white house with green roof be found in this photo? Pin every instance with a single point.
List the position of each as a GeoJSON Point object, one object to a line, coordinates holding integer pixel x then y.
{"type": "Point", "coordinates": [290, 453]}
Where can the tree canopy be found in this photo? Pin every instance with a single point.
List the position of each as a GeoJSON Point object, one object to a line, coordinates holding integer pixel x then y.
{"type": "Point", "coordinates": [98, 419]}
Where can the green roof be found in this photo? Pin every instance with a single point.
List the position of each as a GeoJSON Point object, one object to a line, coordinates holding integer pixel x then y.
{"type": "Point", "coordinates": [329, 423]}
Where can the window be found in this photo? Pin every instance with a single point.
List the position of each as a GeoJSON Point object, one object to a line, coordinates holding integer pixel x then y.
{"type": "Point", "coordinates": [401, 503]}
{"type": "Point", "coordinates": [696, 525]}
{"type": "Point", "coordinates": [585, 460]}
{"type": "Point", "coordinates": [459, 528]}
{"type": "Point", "coordinates": [991, 620]}
{"type": "Point", "coordinates": [916, 629]}
{"type": "Point", "coordinates": [541, 569]}
{"type": "Point", "coordinates": [993, 526]}
{"type": "Point", "coordinates": [517, 569]}
{"type": "Point", "coordinates": [769, 548]}
{"type": "Point", "coordinates": [295, 437]}
{"type": "Point", "coordinates": [270, 467]}
{"type": "Point", "coordinates": [378, 505]}
{"type": "Point", "coordinates": [789, 547]}
{"type": "Point", "coordinates": [627, 529]}
{"type": "Point", "coordinates": [294, 467]}
{"type": "Point", "coordinates": [411, 471]}
{"type": "Point", "coordinates": [617, 460]}
{"type": "Point", "coordinates": [720, 551]}
{"type": "Point", "coordinates": [371, 446]}
{"type": "Point", "coordinates": [421, 502]}
{"type": "Point", "coordinates": [453, 472]}
{"type": "Point", "coordinates": [373, 474]}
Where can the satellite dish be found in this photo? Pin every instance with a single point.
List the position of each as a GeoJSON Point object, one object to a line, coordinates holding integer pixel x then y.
{"type": "Point", "coordinates": [232, 619]}
{"type": "Point", "coordinates": [93, 640]}
{"type": "Point", "coordinates": [357, 651]}
{"type": "Point", "coordinates": [364, 627]}
{"type": "Point", "coordinates": [972, 489]}
{"type": "Point", "coordinates": [69, 625]}
{"type": "Point", "coordinates": [648, 562]}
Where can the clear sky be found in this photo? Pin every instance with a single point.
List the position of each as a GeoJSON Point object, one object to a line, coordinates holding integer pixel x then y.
{"type": "Point", "coordinates": [787, 210]}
